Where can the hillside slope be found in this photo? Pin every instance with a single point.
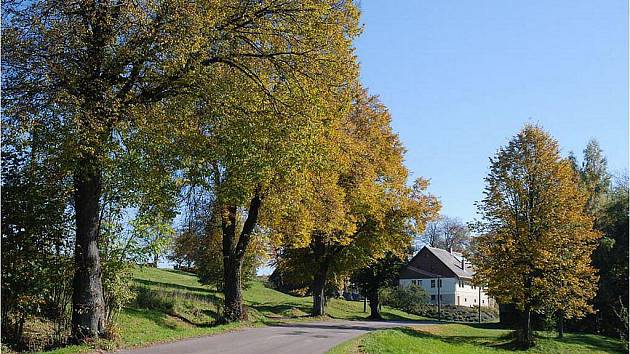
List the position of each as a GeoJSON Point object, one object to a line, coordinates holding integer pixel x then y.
{"type": "Point", "coordinates": [171, 305]}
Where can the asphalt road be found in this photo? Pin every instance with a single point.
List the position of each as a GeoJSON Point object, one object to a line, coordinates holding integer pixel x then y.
{"type": "Point", "coordinates": [292, 338]}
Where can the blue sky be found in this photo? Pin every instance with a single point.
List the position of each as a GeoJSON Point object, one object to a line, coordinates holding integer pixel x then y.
{"type": "Point", "coordinates": [461, 77]}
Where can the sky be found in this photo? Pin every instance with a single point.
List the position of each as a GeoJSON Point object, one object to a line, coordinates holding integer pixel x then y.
{"type": "Point", "coordinates": [461, 77]}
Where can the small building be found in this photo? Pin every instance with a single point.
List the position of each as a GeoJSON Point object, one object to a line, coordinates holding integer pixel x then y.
{"type": "Point", "coordinates": [446, 274]}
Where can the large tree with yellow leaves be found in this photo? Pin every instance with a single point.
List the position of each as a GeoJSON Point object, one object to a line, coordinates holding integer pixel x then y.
{"type": "Point", "coordinates": [96, 73]}
{"type": "Point", "coordinates": [355, 205]}
{"type": "Point", "coordinates": [536, 239]}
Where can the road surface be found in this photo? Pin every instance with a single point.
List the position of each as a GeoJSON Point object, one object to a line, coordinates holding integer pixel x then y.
{"type": "Point", "coordinates": [291, 338]}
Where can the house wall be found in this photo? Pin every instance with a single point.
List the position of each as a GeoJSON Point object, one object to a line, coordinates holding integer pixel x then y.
{"type": "Point", "coordinates": [469, 295]}
{"type": "Point", "coordinates": [447, 291]}
{"type": "Point", "coordinates": [450, 290]}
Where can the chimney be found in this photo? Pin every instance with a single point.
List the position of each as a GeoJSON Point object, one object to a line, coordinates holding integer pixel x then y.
{"type": "Point", "coordinates": [463, 265]}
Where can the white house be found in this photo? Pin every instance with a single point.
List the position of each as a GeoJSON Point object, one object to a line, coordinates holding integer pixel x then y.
{"type": "Point", "coordinates": [445, 275]}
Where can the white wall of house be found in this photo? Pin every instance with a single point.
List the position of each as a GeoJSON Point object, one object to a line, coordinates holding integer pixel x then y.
{"type": "Point", "coordinates": [453, 291]}
{"type": "Point", "coordinates": [469, 295]}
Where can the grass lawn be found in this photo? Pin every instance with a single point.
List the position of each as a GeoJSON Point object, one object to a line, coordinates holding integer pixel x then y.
{"type": "Point", "coordinates": [462, 338]}
{"type": "Point", "coordinates": [173, 305]}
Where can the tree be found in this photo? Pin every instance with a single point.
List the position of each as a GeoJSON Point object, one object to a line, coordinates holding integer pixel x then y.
{"type": "Point", "coordinates": [595, 176]}
{"type": "Point", "coordinates": [607, 204]}
{"type": "Point", "coordinates": [432, 235]}
{"type": "Point", "coordinates": [155, 233]}
{"type": "Point", "coordinates": [183, 249]}
{"type": "Point", "coordinates": [36, 261]}
{"type": "Point", "coordinates": [536, 240]}
{"type": "Point", "coordinates": [355, 206]}
{"type": "Point", "coordinates": [447, 233]}
{"type": "Point", "coordinates": [610, 258]}
{"type": "Point", "coordinates": [254, 132]}
{"type": "Point", "coordinates": [377, 275]}
{"type": "Point", "coordinates": [101, 71]}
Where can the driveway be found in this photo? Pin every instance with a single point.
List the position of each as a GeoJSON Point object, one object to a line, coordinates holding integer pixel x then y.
{"type": "Point", "coordinates": [290, 338]}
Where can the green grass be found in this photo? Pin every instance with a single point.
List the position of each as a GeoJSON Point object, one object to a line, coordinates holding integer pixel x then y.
{"type": "Point", "coordinates": [173, 305]}
{"type": "Point", "coordinates": [481, 339]}
{"type": "Point", "coordinates": [263, 303]}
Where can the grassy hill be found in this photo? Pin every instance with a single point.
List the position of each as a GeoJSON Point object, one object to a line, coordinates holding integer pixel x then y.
{"type": "Point", "coordinates": [471, 338]}
{"type": "Point", "coordinates": [171, 305]}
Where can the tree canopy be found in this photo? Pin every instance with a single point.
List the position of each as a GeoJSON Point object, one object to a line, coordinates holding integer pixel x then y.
{"type": "Point", "coordinates": [536, 239]}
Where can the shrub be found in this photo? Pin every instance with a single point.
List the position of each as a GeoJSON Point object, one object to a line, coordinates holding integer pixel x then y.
{"type": "Point", "coordinates": [413, 299]}
{"type": "Point", "coordinates": [410, 299]}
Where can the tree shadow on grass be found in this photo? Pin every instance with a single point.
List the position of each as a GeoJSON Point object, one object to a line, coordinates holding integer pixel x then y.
{"type": "Point", "coordinates": [487, 325]}
{"type": "Point", "coordinates": [505, 342]}
{"type": "Point", "coordinates": [284, 310]}
{"type": "Point", "coordinates": [159, 318]}
{"type": "Point", "coordinates": [209, 293]}
{"type": "Point", "coordinates": [180, 272]}
{"type": "Point", "coordinates": [592, 342]}
{"type": "Point", "coordinates": [169, 321]}
{"type": "Point", "coordinates": [387, 316]}
{"type": "Point", "coordinates": [508, 340]}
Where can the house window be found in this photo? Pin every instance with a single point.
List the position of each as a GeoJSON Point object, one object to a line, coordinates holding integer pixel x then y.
{"type": "Point", "coordinates": [439, 283]}
{"type": "Point", "coordinates": [413, 281]}
{"type": "Point", "coordinates": [483, 301]}
{"type": "Point", "coordinates": [433, 283]}
{"type": "Point", "coordinates": [475, 301]}
{"type": "Point", "coordinates": [465, 300]}
{"type": "Point", "coordinates": [432, 297]}
{"type": "Point", "coordinates": [420, 282]}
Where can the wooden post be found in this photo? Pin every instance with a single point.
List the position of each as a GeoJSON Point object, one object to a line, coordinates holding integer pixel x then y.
{"type": "Point", "coordinates": [364, 304]}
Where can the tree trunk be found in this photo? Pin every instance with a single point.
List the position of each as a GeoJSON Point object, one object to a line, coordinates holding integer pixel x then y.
{"type": "Point", "coordinates": [233, 307]}
{"type": "Point", "coordinates": [374, 303]}
{"type": "Point", "coordinates": [560, 324]}
{"type": "Point", "coordinates": [525, 336]}
{"type": "Point", "coordinates": [319, 278]}
{"type": "Point", "coordinates": [88, 309]}
{"type": "Point", "coordinates": [233, 255]}
{"type": "Point", "coordinates": [319, 289]}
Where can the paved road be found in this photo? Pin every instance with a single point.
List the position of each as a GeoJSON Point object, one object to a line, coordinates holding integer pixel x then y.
{"type": "Point", "coordinates": [291, 338]}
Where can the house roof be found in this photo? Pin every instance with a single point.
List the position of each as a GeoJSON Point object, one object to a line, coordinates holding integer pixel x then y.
{"type": "Point", "coordinates": [417, 271]}
{"type": "Point", "coordinates": [453, 260]}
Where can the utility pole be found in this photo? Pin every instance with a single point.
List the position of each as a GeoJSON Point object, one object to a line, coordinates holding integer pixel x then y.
{"type": "Point", "coordinates": [439, 281]}
{"type": "Point", "coordinates": [479, 303]}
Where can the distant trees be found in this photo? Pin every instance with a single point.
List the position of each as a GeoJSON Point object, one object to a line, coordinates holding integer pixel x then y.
{"type": "Point", "coordinates": [447, 233]}
{"type": "Point", "coordinates": [607, 203]}
{"type": "Point", "coordinates": [595, 177]}
{"type": "Point", "coordinates": [611, 259]}
{"type": "Point", "coordinates": [376, 276]}
{"type": "Point", "coordinates": [536, 239]}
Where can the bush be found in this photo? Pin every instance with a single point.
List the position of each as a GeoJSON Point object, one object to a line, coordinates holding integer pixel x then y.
{"type": "Point", "coordinates": [411, 299]}
{"type": "Point", "coordinates": [459, 313]}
